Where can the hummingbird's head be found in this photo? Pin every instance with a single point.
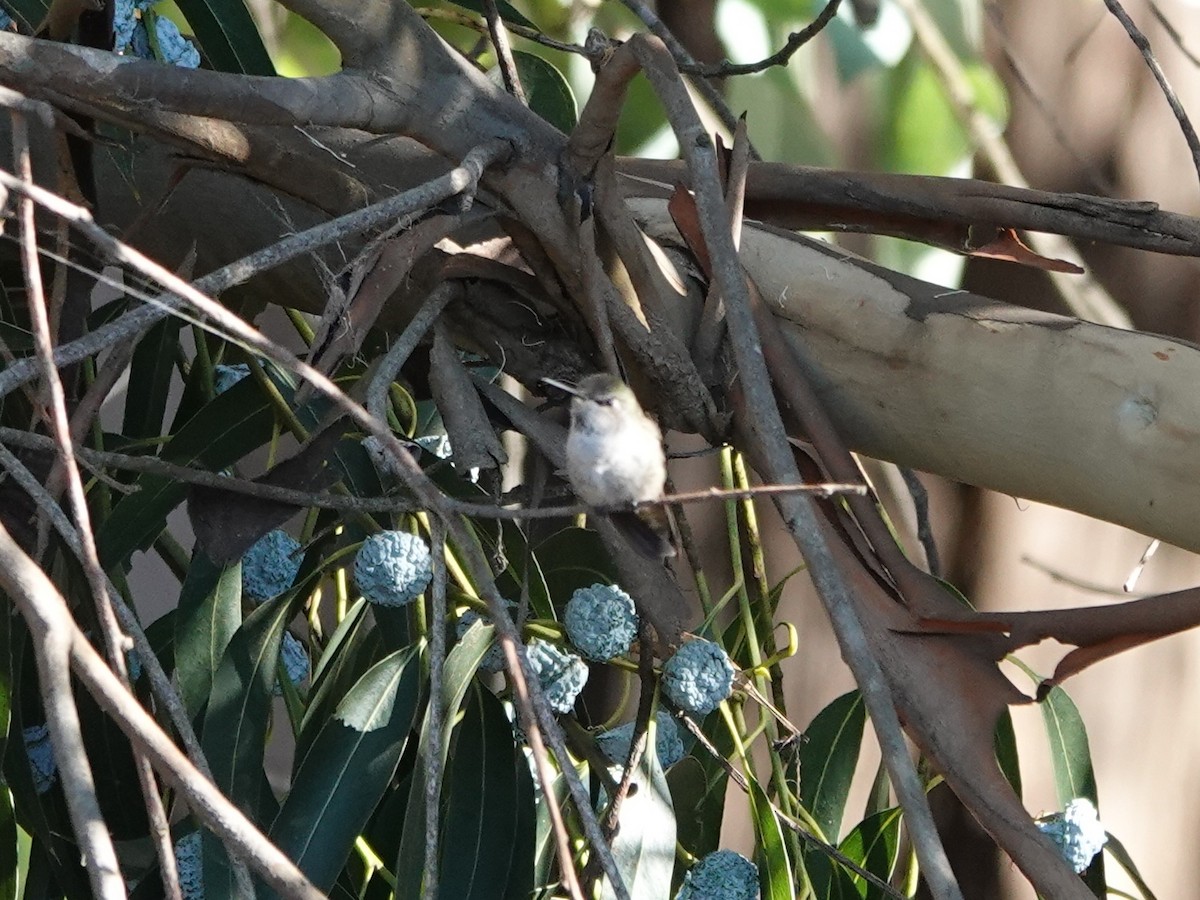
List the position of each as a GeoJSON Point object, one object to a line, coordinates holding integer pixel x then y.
{"type": "Point", "coordinates": [600, 402]}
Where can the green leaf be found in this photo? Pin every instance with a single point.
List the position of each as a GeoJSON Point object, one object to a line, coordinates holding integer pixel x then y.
{"type": "Point", "coordinates": [1071, 759]}
{"type": "Point", "coordinates": [875, 845]}
{"type": "Point", "coordinates": [352, 649]}
{"type": "Point", "coordinates": [235, 725]}
{"type": "Point", "coordinates": [341, 779]}
{"type": "Point", "coordinates": [208, 615]}
{"type": "Point", "coordinates": [457, 674]}
{"type": "Point", "coordinates": [698, 796]}
{"type": "Point", "coordinates": [28, 13]}
{"type": "Point", "coordinates": [10, 877]}
{"type": "Point", "coordinates": [151, 371]}
{"type": "Point", "coordinates": [1005, 741]}
{"type": "Point", "coordinates": [1117, 851]}
{"type": "Point", "coordinates": [548, 93]}
{"type": "Point", "coordinates": [484, 803]}
{"type": "Point", "coordinates": [828, 760]}
{"type": "Point", "coordinates": [770, 852]}
{"type": "Point", "coordinates": [644, 847]}
{"type": "Point", "coordinates": [1069, 751]}
{"type": "Point", "coordinates": [228, 36]}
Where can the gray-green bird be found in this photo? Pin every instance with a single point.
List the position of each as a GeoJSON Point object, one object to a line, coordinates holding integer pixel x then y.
{"type": "Point", "coordinates": [615, 458]}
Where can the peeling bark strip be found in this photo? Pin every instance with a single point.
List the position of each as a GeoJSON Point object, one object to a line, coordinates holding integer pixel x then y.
{"type": "Point", "coordinates": [1037, 405]}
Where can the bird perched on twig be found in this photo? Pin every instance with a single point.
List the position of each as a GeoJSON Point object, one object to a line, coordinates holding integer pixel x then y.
{"type": "Point", "coordinates": [615, 458]}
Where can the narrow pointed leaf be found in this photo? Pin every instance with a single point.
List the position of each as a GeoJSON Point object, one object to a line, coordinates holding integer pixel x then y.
{"type": "Point", "coordinates": [226, 31]}
{"type": "Point", "coordinates": [344, 775]}
{"type": "Point", "coordinates": [457, 674]}
{"type": "Point", "coordinates": [235, 726]}
{"type": "Point", "coordinates": [150, 374]}
{"type": "Point", "coordinates": [483, 805]}
{"type": "Point", "coordinates": [1071, 759]}
{"type": "Point", "coordinates": [828, 760]}
{"type": "Point", "coordinates": [770, 851]}
{"type": "Point", "coordinates": [1069, 751]}
{"type": "Point", "coordinates": [208, 615]}
{"type": "Point", "coordinates": [875, 845]}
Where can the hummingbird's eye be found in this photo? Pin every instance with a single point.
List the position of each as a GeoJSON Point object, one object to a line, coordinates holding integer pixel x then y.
{"type": "Point", "coordinates": [605, 401]}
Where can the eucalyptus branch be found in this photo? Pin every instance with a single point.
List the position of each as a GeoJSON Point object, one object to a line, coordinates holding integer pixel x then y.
{"type": "Point", "coordinates": [504, 55]}
{"type": "Point", "coordinates": [765, 427]}
{"type": "Point", "coordinates": [712, 96]}
{"type": "Point", "coordinates": [321, 500]}
{"type": "Point", "coordinates": [433, 747]}
{"type": "Point", "coordinates": [781, 57]}
{"type": "Point", "coordinates": [28, 587]}
{"type": "Point", "coordinates": [114, 640]}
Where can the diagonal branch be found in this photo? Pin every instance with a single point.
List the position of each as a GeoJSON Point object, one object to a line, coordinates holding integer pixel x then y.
{"type": "Point", "coordinates": [765, 430]}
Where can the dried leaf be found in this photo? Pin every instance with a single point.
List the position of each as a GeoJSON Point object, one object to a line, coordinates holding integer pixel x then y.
{"type": "Point", "coordinates": [1006, 245]}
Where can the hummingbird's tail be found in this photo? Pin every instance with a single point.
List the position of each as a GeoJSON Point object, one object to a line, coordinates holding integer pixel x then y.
{"type": "Point", "coordinates": [650, 537]}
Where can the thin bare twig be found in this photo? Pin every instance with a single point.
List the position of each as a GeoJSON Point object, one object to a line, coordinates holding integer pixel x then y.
{"type": "Point", "coordinates": [389, 367]}
{"type": "Point", "coordinates": [321, 500]}
{"type": "Point", "coordinates": [679, 53]}
{"type": "Point", "coordinates": [504, 56]}
{"type": "Point", "coordinates": [95, 844]}
{"type": "Point", "coordinates": [781, 57]}
{"type": "Point", "coordinates": [433, 747]}
{"type": "Point", "coordinates": [920, 499]}
{"type": "Point", "coordinates": [1143, 45]}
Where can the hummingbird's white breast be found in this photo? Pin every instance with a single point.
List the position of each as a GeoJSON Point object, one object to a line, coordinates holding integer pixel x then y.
{"type": "Point", "coordinates": [615, 460]}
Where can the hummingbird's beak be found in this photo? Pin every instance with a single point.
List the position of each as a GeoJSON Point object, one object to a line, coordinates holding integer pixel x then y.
{"type": "Point", "coordinates": [561, 385]}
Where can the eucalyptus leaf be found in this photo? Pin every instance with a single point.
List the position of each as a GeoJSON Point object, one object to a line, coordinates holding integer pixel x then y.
{"type": "Point", "coordinates": [1070, 753]}
{"type": "Point", "coordinates": [228, 36]}
{"type": "Point", "coordinates": [151, 371]}
{"type": "Point", "coordinates": [828, 759]}
{"type": "Point", "coordinates": [770, 852]}
{"type": "Point", "coordinates": [874, 843]}
{"type": "Point", "coordinates": [343, 776]}
{"type": "Point", "coordinates": [236, 722]}
{"type": "Point", "coordinates": [488, 807]}
{"type": "Point", "coordinates": [208, 615]}
{"type": "Point", "coordinates": [1071, 759]}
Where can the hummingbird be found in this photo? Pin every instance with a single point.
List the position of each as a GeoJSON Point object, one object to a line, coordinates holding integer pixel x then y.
{"type": "Point", "coordinates": [615, 458]}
